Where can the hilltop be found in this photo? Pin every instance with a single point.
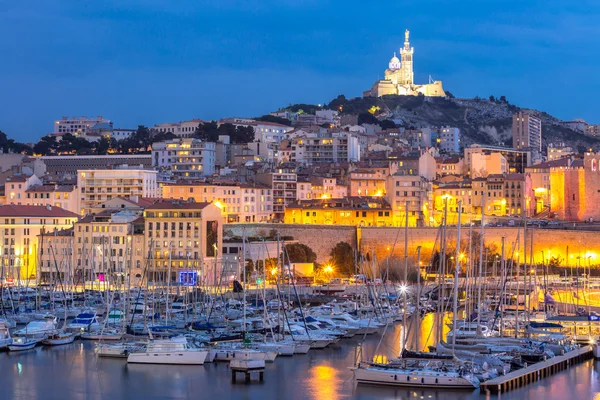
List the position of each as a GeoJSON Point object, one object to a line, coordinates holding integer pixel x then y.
{"type": "Point", "coordinates": [484, 121]}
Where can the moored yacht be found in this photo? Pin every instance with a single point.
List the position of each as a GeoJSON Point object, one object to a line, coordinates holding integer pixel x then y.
{"type": "Point", "coordinates": [5, 338]}
{"type": "Point", "coordinates": [380, 374]}
{"type": "Point", "coordinates": [169, 351]}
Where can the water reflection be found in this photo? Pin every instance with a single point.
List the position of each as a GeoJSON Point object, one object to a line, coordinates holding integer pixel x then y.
{"type": "Point", "coordinates": [73, 371]}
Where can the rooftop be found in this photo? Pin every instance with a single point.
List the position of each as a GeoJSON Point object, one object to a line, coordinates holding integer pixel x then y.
{"type": "Point", "coordinates": [13, 210]}
{"type": "Point", "coordinates": [177, 205]}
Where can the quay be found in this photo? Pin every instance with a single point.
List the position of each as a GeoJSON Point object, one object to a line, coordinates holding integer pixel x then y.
{"type": "Point", "coordinates": [535, 372]}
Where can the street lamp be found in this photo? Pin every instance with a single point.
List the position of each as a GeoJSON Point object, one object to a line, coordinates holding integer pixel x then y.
{"type": "Point", "coordinates": [328, 270]}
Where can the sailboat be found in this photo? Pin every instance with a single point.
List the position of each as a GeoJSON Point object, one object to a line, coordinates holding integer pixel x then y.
{"type": "Point", "coordinates": [5, 338]}
{"type": "Point", "coordinates": [169, 351]}
{"type": "Point", "coordinates": [22, 343]}
{"type": "Point", "coordinates": [425, 373]}
{"type": "Point", "coordinates": [58, 338]}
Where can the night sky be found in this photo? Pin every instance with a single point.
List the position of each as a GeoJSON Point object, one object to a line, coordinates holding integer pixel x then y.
{"type": "Point", "coordinates": [150, 61]}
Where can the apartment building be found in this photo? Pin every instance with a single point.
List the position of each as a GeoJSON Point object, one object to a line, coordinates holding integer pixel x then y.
{"type": "Point", "coordinates": [238, 202]}
{"type": "Point", "coordinates": [98, 186]}
{"type": "Point", "coordinates": [20, 225]}
{"type": "Point", "coordinates": [357, 211]}
{"type": "Point", "coordinates": [410, 194]}
{"type": "Point", "coordinates": [284, 183]}
{"type": "Point", "coordinates": [184, 239]}
{"type": "Point", "coordinates": [319, 147]}
{"type": "Point", "coordinates": [78, 125]}
{"type": "Point", "coordinates": [319, 187]}
{"type": "Point", "coordinates": [69, 165]}
{"type": "Point", "coordinates": [527, 132]}
{"type": "Point", "coordinates": [185, 158]}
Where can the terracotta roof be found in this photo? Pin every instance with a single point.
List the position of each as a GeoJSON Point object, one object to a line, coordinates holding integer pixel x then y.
{"type": "Point", "coordinates": [561, 162]}
{"type": "Point", "coordinates": [177, 205]}
{"type": "Point", "coordinates": [17, 178]}
{"type": "Point", "coordinates": [51, 188]}
{"type": "Point", "coordinates": [13, 210]}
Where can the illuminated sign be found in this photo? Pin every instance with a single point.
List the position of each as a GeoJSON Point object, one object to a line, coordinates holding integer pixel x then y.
{"type": "Point", "coordinates": [188, 278]}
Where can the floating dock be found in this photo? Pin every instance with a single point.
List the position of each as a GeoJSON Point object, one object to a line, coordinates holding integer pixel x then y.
{"type": "Point", "coordinates": [536, 371]}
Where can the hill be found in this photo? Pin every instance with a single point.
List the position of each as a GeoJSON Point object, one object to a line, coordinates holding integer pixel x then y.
{"type": "Point", "coordinates": [480, 120]}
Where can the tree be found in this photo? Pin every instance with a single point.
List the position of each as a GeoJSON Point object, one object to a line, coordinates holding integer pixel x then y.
{"type": "Point", "coordinates": [387, 124]}
{"type": "Point", "coordinates": [338, 103]}
{"type": "Point", "coordinates": [300, 253]}
{"type": "Point", "coordinates": [46, 145]}
{"type": "Point", "coordinates": [367, 118]}
{"type": "Point", "coordinates": [492, 99]}
{"type": "Point", "coordinates": [449, 95]}
{"type": "Point", "coordinates": [342, 257]}
{"type": "Point", "coordinates": [103, 145]}
{"type": "Point", "coordinates": [503, 100]}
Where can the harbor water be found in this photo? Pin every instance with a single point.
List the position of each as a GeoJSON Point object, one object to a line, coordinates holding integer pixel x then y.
{"type": "Point", "coordinates": [74, 372]}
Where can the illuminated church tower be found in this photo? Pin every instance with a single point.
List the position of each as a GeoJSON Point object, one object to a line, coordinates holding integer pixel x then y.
{"type": "Point", "coordinates": [399, 77]}
{"type": "Point", "coordinates": [406, 57]}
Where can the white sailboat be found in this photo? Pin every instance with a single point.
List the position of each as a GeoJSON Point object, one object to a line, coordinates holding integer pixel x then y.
{"type": "Point", "coordinates": [5, 338]}
{"type": "Point", "coordinates": [169, 351]}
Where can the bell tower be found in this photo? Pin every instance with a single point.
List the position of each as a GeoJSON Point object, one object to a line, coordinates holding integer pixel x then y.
{"type": "Point", "coordinates": [406, 57]}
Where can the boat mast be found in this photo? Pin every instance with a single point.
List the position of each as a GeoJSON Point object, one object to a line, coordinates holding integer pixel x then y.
{"type": "Point", "coordinates": [405, 283]}
{"type": "Point", "coordinates": [245, 282]}
{"type": "Point", "coordinates": [456, 269]}
{"type": "Point", "coordinates": [479, 275]}
{"type": "Point", "coordinates": [418, 303]}
{"type": "Point", "coordinates": [442, 272]}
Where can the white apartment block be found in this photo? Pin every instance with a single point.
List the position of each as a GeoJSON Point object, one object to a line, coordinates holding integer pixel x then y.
{"type": "Point", "coordinates": [449, 139]}
{"type": "Point", "coordinates": [98, 186]}
{"type": "Point", "coordinates": [120, 134]}
{"type": "Point", "coordinates": [77, 125]}
{"type": "Point", "coordinates": [185, 158]}
{"type": "Point", "coordinates": [527, 132]}
{"type": "Point", "coordinates": [325, 147]}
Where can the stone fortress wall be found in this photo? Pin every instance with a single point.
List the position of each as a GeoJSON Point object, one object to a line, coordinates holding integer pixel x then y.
{"type": "Point", "coordinates": [579, 247]}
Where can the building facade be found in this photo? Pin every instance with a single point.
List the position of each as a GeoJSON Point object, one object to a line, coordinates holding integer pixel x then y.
{"type": "Point", "coordinates": [20, 227]}
{"type": "Point", "coordinates": [357, 211]}
{"type": "Point", "coordinates": [185, 158]}
{"type": "Point", "coordinates": [77, 126]}
{"type": "Point", "coordinates": [527, 132]}
{"type": "Point", "coordinates": [239, 203]}
{"type": "Point", "coordinates": [184, 239]}
{"type": "Point", "coordinates": [98, 186]}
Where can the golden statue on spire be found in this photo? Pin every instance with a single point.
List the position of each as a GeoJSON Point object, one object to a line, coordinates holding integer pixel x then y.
{"type": "Point", "coordinates": [406, 35]}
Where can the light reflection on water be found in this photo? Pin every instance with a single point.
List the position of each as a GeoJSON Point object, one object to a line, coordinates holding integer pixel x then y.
{"type": "Point", "coordinates": [73, 372]}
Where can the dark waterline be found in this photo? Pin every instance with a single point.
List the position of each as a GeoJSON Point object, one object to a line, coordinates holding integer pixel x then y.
{"type": "Point", "coordinates": [73, 372]}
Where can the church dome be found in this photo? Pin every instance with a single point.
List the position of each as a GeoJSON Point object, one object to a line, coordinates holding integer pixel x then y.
{"type": "Point", "coordinates": [394, 63]}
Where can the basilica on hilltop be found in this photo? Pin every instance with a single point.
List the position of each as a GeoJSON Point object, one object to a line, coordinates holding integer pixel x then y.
{"type": "Point", "coordinates": [399, 77]}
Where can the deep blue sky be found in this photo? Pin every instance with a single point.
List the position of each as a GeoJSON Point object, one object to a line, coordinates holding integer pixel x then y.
{"type": "Point", "coordinates": [149, 61]}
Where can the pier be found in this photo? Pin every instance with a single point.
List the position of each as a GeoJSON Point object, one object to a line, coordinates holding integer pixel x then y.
{"type": "Point", "coordinates": [535, 372]}
{"type": "Point", "coordinates": [247, 367]}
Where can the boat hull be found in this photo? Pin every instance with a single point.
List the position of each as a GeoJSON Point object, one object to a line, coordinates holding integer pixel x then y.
{"type": "Point", "coordinates": [175, 357]}
{"type": "Point", "coordinates": [414, 379]}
